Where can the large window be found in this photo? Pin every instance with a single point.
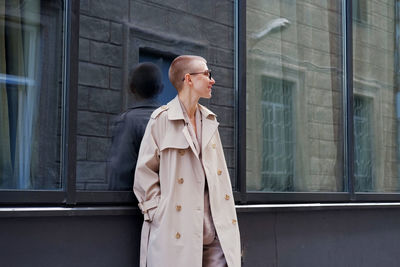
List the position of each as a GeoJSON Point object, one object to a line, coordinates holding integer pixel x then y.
{"type": "Point", "coordinates": [157, 31]}
{"type": "Point", "coordinates": [322, 100]}
{"type": "Point", "coordinates": [294, 121]}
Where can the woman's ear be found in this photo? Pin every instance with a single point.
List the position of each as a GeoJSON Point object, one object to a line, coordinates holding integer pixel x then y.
{"type": "Point", "coordinates": [188, 79]}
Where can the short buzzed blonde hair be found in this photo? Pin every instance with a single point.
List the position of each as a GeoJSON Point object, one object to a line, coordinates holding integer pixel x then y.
{"type": "Point", "coordinates": [180, 66]}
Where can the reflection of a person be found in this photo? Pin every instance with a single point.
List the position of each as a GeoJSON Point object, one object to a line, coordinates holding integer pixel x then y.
{"type": "Point", "coordinates": [182, 181]}
{"type": "Point", "coordinates": [129, 127]}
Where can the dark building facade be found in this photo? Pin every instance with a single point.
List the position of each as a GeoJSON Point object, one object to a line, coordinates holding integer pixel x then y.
{"type": "Point", "coordinates": [305, 94]}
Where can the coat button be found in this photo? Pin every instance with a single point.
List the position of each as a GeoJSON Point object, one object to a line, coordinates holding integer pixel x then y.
{"type": "Point", "coordinates": [181, 152]}
{"type": "Point", "coordinates": [180, 181]}
{"type": "Point", "coordinates": [214, 146]}
{"type": "Point", "coordinates": [234, 221]}
{"type": "Point", "coordinates": [227, 197]}
{"type": "Point", "coordinates": [178, 207]}
{"type": "Point", "coordinates": [178, 235]}
{"type": "Point", "coordinates": [219, 172]}
{"type": "Point", "coordinates": [164, 107]}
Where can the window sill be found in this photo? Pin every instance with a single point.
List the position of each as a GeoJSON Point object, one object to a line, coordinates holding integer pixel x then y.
{"type": "Point", "coordinates": [314, 206]}
{"type": "Point", "coordinates": [134, 211]}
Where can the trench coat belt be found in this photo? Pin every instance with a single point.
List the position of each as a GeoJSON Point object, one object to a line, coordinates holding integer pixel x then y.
{"type": "Point", "coordinates": [144, 243]}
{"type": "Point", "coordinates": [144, 206]}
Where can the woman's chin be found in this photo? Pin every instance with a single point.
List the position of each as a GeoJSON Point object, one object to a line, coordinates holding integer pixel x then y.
{"type": "Point", "coordinates": [207, 96]}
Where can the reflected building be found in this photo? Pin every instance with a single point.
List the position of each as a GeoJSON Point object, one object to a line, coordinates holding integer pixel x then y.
{"type": "Point", "coordinates": [295, 97]}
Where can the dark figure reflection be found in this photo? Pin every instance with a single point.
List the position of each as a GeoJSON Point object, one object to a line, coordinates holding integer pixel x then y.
{"type": "Point", "coordinates": [128, 128]}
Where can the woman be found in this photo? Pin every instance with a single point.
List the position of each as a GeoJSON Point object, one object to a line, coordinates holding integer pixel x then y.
{"type": "Point", "coordinates": [182, 181]}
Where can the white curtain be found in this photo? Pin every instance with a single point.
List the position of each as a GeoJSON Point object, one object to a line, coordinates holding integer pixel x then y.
{"type": "Point", "coordinates": [22, 42]}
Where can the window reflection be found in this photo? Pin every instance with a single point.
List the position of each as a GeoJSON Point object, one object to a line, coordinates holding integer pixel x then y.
{"type": "Point", "coordinates": [294, 125]}
{"type": "Point", "coordinates": [155, 32]}
{"type": "Point", "coordinates": [30, 32]}
{"type": "Point", "coordinates": [362, 144]}
{"type": "Point", "coordinates": [277, 133]}
{"type": "Point", "coordinates": [376, 134]}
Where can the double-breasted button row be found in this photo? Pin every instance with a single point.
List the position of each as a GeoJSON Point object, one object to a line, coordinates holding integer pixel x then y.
{"type": "Point", "coordinates": [234, 221]}
{"type": "Point", "coordinates": [219, 172]}
{"type": "Point", "coordinates": [227, 197]}
{"type": "Point", "coordinates": [179, 207]}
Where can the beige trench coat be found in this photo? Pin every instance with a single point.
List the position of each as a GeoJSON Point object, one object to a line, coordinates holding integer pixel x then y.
{"type": "Point", "coordinates": [169, 184]}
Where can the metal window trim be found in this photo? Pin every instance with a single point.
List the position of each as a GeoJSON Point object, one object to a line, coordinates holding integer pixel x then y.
{"type": "Point", "coordinates": [71, 57]}
{"type": "Point", "coordinates": [309, 207]}
{"type": "Point", "coordinates": [241, 102]}
{"type": "Point", "coordinates": [296, 197]}
{"type": "Point", "coordinates": [348, 112]}
{"type": "Point", "coordinates": [31, 197]}
{"type": "Point", "coordinates": [56, 211]}
{"type": "Point", "coordinates": [105, 197]}
{"type": "Point", "coordinates": [376, 197]}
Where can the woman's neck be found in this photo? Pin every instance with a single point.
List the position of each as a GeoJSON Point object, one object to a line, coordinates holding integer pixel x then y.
{"type": "Point", "coordinates": [189, 102]}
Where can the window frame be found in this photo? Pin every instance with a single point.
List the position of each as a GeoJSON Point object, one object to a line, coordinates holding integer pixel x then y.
{"type": "Point", "coordinates": [69, 196]}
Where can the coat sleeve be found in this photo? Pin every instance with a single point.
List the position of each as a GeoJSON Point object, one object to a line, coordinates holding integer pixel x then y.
{"type": "Point", "coordinates": [147, 182]}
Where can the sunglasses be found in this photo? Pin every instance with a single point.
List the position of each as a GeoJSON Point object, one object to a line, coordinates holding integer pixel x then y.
{"type": "Point", "coordinates": [206, 72]}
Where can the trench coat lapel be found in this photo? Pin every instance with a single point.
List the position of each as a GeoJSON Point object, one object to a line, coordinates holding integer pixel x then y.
{"type": "Point", "coordinates": [185, 132]}
{"type": "Point", "coordinates": [210, 125]}
{"type": "Point", "coordinates": [175, 113]}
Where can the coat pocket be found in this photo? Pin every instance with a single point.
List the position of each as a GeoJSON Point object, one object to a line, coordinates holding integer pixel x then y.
{"type": "Point", "coordinates": [158, 213]}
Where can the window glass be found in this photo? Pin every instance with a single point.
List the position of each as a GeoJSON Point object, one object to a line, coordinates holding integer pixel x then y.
{"type": "Point", "coordinates": [30, 91]}
{"type": "Point", "coordinates": [113, 39]}
{"type": "Point", "coordinates": [294, 124]}
{"type": "Point", "coordinates": [375, 64]}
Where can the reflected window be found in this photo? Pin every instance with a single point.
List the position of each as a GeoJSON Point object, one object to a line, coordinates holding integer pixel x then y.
{"type": "Point", "coordinates": [362, 144]}
{"type": "Point", "coordinates": [359, 9]}
{"type": "Point", "coordinates": [277, 156]}
{"type": "Point", "coordinates": [163, 62]}
{"type": "Point", "coordinates": [30, 86]}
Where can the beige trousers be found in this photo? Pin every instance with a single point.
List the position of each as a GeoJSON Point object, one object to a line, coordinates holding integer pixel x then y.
{"type": "Point", "coordinates": [213, 256]}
